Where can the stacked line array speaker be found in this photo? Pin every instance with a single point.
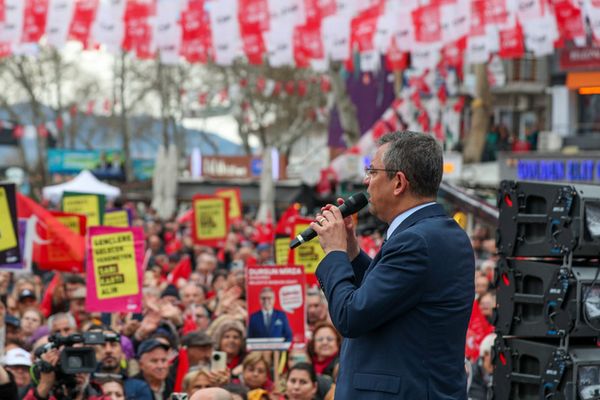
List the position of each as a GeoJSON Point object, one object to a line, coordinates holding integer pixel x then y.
{"type": "Point", "coordinates": [547, 316]}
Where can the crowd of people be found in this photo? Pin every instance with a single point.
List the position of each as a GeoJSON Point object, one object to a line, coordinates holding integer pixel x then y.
{"type": "Point", "coordinates": [500, 140]}
{"type": "Point", "coordinates": [142, 355]}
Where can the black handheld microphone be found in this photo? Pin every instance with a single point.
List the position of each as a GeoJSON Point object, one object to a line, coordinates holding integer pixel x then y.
{"type": "Point", "coordinates": [350, 206]}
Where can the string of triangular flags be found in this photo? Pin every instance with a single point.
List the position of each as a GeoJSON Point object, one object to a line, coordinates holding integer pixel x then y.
{"type": "Point", "coordinates": [304, 33]}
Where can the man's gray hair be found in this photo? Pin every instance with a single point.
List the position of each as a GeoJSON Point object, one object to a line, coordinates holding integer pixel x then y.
{"type": "Point", "coordinates": [317, 292]}
{"type": "Point", "coordinates": [60, 316]}
{"type": "Point", "coordinates": [419, 156]}
{"type": "Point", "coordinates": [194, 285]}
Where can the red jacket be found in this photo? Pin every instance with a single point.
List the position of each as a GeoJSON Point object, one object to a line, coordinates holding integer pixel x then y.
{"type": "Point", "coordinates": [93, 391]}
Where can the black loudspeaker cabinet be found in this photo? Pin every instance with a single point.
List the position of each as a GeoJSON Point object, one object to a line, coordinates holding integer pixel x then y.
{"type": "Point", "coordinates": [528, 370]}
{"type": "Point", "coordinates": [548, 220]}
{"type": "Point", "coordinates": [538, 299]}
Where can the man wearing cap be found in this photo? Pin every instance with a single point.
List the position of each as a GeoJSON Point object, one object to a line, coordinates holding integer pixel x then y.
{"type": "Point", "coordinates": [154, 366]}
{"type": "Point", "coordinates": [13, 329]}
{"type": "Point", "coordinates": [77, 306]}
{"type": "Point", "coordinates": [27, 299]}
{"type": "Point", "coordinates": [171, 294]}
{"type": "Point", "coordinates": [111, 365]}
{"type": "Point", "coordinates": [18, 361]}
{"type": "Point", "coordinates": [199, 348]}
{"type": "Point", "coordinates": [264, 254]}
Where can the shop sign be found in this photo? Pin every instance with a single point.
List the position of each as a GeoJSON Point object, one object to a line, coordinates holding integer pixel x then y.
{"type": "Point", "coordinates": [579, 58]}
{"type": "Point", "coordinates": [237, 167]}
{"type": "Point", "coordinates": [569, 169]}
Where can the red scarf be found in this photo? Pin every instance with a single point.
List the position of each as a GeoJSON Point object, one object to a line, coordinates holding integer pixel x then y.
{"type": "Point", "coordinates": [321, 365]}
{"type": "Point", "coordinates": [234, 362]}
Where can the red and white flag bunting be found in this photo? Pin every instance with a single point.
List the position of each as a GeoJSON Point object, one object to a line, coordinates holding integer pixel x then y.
{"type": "Point", "coordinates": [304, 33]}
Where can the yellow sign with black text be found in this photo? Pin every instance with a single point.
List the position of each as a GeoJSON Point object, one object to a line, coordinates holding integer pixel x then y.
{"type": "Point", "coordinates": [115, 265]}
{"type": "Point", "coordinates": [84, 204]}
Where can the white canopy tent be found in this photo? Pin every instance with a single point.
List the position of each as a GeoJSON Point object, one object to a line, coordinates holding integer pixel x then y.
{"type": "Point", "coordinates": [85, 182]}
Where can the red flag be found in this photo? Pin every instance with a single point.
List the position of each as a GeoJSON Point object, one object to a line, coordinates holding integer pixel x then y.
{"type": "Point", "coordinates": [301, 87]}
{"type": "Point", "coordinates": [83, 17]}
{"type": "Point", "coordinates": [478, 329]}
{"type": "Point", "coordinates": [325, 83]}
{"type": "Point", "coordinates": [379, 129]}
{"type": "Point", "coordinates": [308, 45]}
{"type": "Point", "coordinates": [59, 123]}
{"type": "Point", "coordinates": [42, 131]}
{"type": "Point", "coordinates": [253, 16]}
{"type": "Point", "coordinates": [441, 94]}
{"type": "Point", "coordinates": [223, 95]}
{"type": "Point", "coordinates": [192, 20]}
{"type": "Point", "coordinates": [277, 88]}
{"type": "Point", "coordinates": [189, 325]}
{"type": "Point", "coordinates": [34, 20]}
{"type": "Point", "coordinates": [254, 47]}
{"type": "Point", "coordinates": [202, 98]}
{"type": "Point", "coordinates": [46, 304]}
{"type": "Point", "coordinates": [416, 99]}
{"type": "Point", "coordinates": [18, 131]}
{"type": "Point", "coordinates": [183, 367]}
{"type": "Point", "coordinates": [138, 32]}
{"type": "Point", "coordinates": [316, 10]}
{"type": "Point", "coordinates": [290, 87]}
{"type": "Point", "coordinates": [428, 27]}
{"type": "Point", "coordinates": [511, 42]}
{"type": "Point", "coordinates": [285, 223]}
{"type": "Point", "coordinates": [73, 110]}
{"type": "Point", "coordinates": [458, 107]}
{"type": "Point", "coordinates": [196, 34]}
{"type": "Point", "coordinates": [55, 246]}
{"type": "Point", "coordinates": [90, 107]}
{"type": "Point", "coordinates": [173, 246]}
{"type": "Point", "coordinates": [363, 29]}
{"type": "Point", "coordinates": [5, 49]}
{"type": "Point", "coordinates": [494, 12]}
{"type": "Point", "coordinates": [439, 131]}
{"type": "Point", "coordinates": [453, 55]}
{"type": "Point", "coordinates": [183, 269]}
{"type": "Point", "coordinates": [569, 21]}
{"type": "Point", "coordinates": [260, 84]}
{"type": "Point", "coordinates": [477, 18]}
{"type": "Point", "coordinates": [395, 59]}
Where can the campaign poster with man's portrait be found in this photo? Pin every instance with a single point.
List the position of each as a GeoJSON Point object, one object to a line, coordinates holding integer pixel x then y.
{"type": "Point", "coordinates": [276, 308]}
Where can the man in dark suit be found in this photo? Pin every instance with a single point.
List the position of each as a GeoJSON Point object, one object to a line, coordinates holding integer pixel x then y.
{"type": "Point", "coordinates": [269, 322]}
{"type": "Point", "coordinates": [404, 314]}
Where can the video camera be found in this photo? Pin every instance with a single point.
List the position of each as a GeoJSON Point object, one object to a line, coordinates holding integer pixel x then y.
{"type": "Point", "coordinates": [74, 360]}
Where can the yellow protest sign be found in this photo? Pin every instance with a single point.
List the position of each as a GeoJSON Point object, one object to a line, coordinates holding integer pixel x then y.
{"type": "Point", "coordinates": [235, 207]}
{"type": "Point", "coordinates": [118, 219]}
{"type": "Point", "coordinates": [310, 253]}
{"type": "Point", "coordinates": [87, 204]}
{"type": "Point", "coordinates": [210, 218]}
{"type": "Point", "coordinates": [461, 219]}
{"type": "Point", "coordinates": [282, 250]}
{"type": "Point", "coordinates": [115, 265]}
{"type": "Point", "coordinates": [70, 222]}
{"type": "Point", "coordinates": [8, 234]}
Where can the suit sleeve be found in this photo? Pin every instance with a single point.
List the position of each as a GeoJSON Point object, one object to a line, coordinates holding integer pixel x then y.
{"type": "Point", "coordinates": [393, 286]}
{"type": "Point", "coordinates": [360, 265]}
{"type": "Point", "coordinates": [287, 331]}
{"type": "Point", "coordinates": [251, 333]}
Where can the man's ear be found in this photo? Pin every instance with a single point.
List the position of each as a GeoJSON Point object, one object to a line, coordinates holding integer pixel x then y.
{"type": "Point", "coordinates": [401, 183]}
